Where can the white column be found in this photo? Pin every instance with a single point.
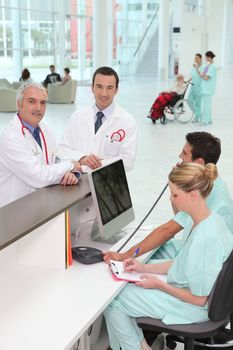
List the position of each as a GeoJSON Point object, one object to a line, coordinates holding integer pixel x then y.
{"type": "Point", "coordinates": [177, 65]}
{"type": "Point", "coordinates": [17, 42]}
{"type": "Point", "coordinates": [100, 29]}
{"type": "Point", "coordinates": [204, 35]}
{"type": "Point", "coordinates": [226, 38]}
{"type": "Point", "coordinates": [61, 40]}
{"type": "Point", "coordinates": [81, 39]}
{"type": "Point", "coordinates": [4, 30]}
{"type": "Point", "coordinates": [110, 33]}
{"type": "Point", "coordinates": [163, 39]}
{"type": "Point", "coordinates": [29, 38]}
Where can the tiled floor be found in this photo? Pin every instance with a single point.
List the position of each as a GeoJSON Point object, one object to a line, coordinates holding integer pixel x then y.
{"type": "Point", "coordinates": [158, 145]}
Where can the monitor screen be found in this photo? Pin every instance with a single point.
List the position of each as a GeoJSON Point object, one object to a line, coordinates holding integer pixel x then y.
{"type": "Point", "coordinates": [111, 197]}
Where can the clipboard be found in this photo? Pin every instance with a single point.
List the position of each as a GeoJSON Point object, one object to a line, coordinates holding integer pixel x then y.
{"type": "Point", "coordinates": [118, 273]}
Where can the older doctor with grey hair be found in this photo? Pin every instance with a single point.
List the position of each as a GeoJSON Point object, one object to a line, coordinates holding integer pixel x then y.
{"type": "Point", "coordinates": [28, 149]}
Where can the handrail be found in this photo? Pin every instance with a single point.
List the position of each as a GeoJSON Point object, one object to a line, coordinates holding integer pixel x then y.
{"type": "Point", "coordinates": [147, 28]}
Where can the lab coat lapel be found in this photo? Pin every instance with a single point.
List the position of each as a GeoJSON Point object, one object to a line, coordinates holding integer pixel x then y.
{"type": "Point", "coordinates": [90, 120]}
{"type": "Point", "coordinates": [29, 139]}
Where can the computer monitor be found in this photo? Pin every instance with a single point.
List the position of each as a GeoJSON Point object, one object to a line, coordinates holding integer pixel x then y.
{"type": "Point", "coordinates": [112, 201]}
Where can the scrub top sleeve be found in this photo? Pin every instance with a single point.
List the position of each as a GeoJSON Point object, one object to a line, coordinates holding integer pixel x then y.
{"type": "Point", "coordinates": [226, 213]}
{"type": "Point", "coordinates": [183, 219]}
{"type": "Point", "coordinates": [203, 264]}
{"type": "Point", "coordinates": [212, 71]}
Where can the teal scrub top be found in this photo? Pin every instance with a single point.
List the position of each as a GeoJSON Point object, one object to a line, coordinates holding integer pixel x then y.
{"type": "Point", "coordinates": [203, 253]}
{"type": "Point", "coordinates": [208, 86]}
{"type": "Point", "coordinates": [219, 201]}
{"type": "Point", "coordinates": [196, 80]}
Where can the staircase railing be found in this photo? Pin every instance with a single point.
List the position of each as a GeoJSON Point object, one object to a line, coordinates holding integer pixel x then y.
{"type": "Point", "coordinates": [131, 65]}
{"type": "Point", "coordinates": [144, 36]}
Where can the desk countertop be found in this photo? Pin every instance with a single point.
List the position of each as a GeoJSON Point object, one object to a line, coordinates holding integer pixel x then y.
{"type": "Point", "coordinates": [24, 215]}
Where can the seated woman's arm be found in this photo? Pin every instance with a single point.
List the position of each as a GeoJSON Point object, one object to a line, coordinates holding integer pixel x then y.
{"type": "Point", "coordinates": [149, 281]}
{"type": "Point", "coordinates": [183, 294]}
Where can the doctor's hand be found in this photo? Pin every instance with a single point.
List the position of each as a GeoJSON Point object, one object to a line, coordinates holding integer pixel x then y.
{"type": "Point", "coordinates": [92, 161]}
{"type": "Point", "coordinates": [69, 179]}
{"type": "Point", "coordinates": [113, 256]}
{"type": "Point", "coordinates": [77, 166]}
{"type": "Point", "coordinates": [132, 265]}
{"type": "Point", "coordinates": [150, 282]}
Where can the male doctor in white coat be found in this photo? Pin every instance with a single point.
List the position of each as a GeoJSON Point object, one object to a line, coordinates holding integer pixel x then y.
{"type": "Point", "coordinates": [28, 149]}
{"type": "Point", "coordinates": [101, 133]}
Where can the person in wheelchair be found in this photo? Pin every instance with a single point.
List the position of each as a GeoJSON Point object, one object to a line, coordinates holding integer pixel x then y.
{"type": "Point", "coordinates": [182, 298]}
{"type": "Point", "coordinates": [167, 98]}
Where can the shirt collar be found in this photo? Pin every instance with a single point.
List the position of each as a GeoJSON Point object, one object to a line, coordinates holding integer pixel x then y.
{"type": "Point", "coordinates": [107, 111]}
{"type": "Point", "coordinates": [27, 125]}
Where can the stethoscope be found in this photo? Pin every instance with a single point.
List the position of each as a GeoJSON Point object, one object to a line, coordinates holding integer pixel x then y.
{"type": "Point", "coordinates": [43, 139]}
{"type": "Point", "coordinates": [118, 135]}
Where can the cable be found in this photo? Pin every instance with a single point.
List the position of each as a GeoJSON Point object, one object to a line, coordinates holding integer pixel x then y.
{"type": "Point", "coordinates": [143, 220]}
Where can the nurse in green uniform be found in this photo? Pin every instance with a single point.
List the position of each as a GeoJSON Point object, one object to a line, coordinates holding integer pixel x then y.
{"type": "Point", "coordinates": [208, 85]}
{"type": "Point", "coordinates": [194, 97]}
{"type": "Point", "coordinates": [190, 276]}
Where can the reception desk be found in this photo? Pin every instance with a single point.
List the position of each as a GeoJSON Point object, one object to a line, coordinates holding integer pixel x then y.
{"type": "Point", "coordinates": [43, 305]}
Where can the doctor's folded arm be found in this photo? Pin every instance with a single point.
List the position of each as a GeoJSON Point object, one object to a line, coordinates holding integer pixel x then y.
{"type": "Point", "coordinates": [29, 150]}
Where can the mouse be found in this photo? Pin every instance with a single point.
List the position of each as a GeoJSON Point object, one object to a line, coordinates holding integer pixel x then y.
{"type": "Point", "coordinates": [87, 255]}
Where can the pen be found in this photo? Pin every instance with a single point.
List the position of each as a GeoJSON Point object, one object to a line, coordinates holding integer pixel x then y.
{"type": "Point", "coordinates": [134, 256]}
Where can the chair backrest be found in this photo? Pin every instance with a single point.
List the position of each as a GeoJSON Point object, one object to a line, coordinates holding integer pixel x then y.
{"type": "Point", "coordinates": [4, 83]}
{"type": "Point", "coordinates": [220, 304]}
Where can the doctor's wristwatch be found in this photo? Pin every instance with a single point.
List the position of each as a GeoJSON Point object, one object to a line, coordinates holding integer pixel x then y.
{"type": "Point", "coordinates": [77, 169]}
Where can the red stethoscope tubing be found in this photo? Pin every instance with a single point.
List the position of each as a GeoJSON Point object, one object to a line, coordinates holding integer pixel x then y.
{"type": "Point", "coordinates": [119, 133]}
{"type": "Point", "coordinates": [43, 138]}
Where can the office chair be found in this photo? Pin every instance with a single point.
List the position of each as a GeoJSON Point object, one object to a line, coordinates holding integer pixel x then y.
{"type": "Point", "coordinates": [220, 310]}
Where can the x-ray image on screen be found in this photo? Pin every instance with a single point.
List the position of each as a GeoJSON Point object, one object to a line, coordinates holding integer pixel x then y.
{"type": "Point", "coordinates": [112, 192]}
{"type": "Point", "coordinates": [111, 197]}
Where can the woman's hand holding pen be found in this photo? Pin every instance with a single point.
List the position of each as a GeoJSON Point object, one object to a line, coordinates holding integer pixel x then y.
{"type": "Point", "coordinates": [132, 265]}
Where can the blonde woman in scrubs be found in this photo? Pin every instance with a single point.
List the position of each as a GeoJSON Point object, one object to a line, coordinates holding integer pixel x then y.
{"type": "Point", "coordinates": [208, 85]}
{"type": "Point", "coordinates": [194, 97]}
{"type": "Point", "coordinates": [190, 276]}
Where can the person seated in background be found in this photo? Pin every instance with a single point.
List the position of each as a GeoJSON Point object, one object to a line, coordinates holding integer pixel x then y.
{"type": "Point", "coordinates": [25, 77]}
{"type": "Point", "coordinates": [52, 78]}
{"type": "Point", "coordinates": [190, 276]}
{"type": "Point", "coordinates": [67, 76]}
{"type": "Point", "coordinates": [166, 97]}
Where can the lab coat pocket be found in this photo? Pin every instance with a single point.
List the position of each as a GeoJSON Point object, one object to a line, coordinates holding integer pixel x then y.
{"type": "Point", "coordinates": [111, 148]}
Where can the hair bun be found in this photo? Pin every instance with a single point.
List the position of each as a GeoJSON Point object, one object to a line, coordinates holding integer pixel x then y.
{"type": "Point", "coordinates": [211, 171]}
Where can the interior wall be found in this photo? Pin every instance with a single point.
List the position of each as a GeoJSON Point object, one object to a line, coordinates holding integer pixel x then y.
{"type": "Point", "coordinates": [191, 41]}
{"type": "Point", "coordinates": [200, 33]}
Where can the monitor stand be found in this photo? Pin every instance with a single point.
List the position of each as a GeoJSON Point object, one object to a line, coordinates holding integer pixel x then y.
{"type": "Point", "coordinates": [88, 236]}
{"type": "Point", "coordinates": [95, 236]}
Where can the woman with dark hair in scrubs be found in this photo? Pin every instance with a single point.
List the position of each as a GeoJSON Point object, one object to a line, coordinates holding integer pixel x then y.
{"type": "Point", "coordinates": [208, 85]}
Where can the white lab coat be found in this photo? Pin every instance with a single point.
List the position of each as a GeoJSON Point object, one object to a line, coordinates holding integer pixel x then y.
{"type": "Point", "coordinates": [80, 140]}
{"type": "Point", "coordinates": [23, 166]}
{"type": "Point", "coordinates": [80, 137]}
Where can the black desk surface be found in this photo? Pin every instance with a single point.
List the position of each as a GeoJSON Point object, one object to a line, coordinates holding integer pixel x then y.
{"type": "Point", "coordinates": [24, 215]}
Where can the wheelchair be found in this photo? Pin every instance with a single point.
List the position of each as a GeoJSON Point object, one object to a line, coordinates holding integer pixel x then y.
{"type": "Point", "coordinates": [178, 109]}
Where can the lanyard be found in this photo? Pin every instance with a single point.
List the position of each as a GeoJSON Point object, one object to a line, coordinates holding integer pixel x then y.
{"type": "Point", "coordinates": [43, 139]}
